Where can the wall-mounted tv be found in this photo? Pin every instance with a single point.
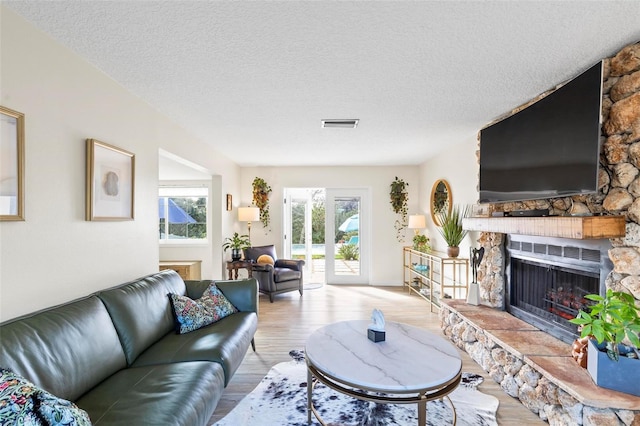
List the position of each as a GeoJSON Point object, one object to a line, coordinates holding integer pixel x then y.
{"type": "Point", "coordinates": [549, 149]}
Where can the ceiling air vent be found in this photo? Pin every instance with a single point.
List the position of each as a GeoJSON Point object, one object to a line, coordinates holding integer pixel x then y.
{"type": "Point", "coordinates": [343, 124]}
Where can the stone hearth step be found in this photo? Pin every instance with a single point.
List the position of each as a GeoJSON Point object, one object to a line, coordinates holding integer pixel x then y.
{"type": "Point", "coordinates": [533, 366]}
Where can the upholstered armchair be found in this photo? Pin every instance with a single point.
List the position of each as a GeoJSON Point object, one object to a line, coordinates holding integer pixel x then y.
{"type": "Point", "coordinates": [273, 278]}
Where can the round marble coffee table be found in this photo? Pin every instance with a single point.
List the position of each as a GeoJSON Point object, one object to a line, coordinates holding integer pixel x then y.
{"type": "Point", "coordinates": [411, 366]}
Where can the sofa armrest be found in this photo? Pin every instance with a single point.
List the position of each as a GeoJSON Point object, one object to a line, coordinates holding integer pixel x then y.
{"type": "Point", "coordinates": [296, 265]}
{"type": "Point", "coordinates": [262, 267]}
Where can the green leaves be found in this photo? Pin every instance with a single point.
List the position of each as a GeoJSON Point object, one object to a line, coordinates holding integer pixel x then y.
{"type": "Point", "coordinates": [611, 319]}
{"type": "Point", "coordinates": [237, 242]}
{"type": "Point", "coordinates": [451, 224]}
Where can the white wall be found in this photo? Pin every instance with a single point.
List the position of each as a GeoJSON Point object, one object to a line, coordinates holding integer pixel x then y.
{"type": "Point", "coordinates": [55, 255]}
{"type": "Point", "coordinates": [386, 251]}
{"type": "Point", "coordinates": [459, 166]}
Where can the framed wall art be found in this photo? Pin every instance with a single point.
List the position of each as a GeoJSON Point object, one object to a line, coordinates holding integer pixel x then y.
{"type": "Point", "coordinates": [229, 202]}
{"type": "Point", "coordinates": [110, 182]}
{"type": "Point", "coordinates": [11, 164]}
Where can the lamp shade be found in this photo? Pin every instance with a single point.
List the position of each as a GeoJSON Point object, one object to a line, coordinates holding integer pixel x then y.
{"type": "Point", "coordinates": [248, 214]}
{"type": "Point", "coordinates": [417, 221]}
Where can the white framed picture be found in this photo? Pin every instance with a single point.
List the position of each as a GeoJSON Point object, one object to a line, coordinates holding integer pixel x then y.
{"type": "Point", "coordinates": [110, 182]}
{"type": "Point", "coordinates": [11, 165]}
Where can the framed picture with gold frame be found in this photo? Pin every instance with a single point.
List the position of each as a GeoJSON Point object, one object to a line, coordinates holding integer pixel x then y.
{"type": "Point", "coordinates": [110, 182]}
{"type": "Point", "coordinates": [11, 165]}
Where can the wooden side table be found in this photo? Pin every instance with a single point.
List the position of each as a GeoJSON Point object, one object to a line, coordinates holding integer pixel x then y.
{"type": "Point", "coordinates": [233, 266]}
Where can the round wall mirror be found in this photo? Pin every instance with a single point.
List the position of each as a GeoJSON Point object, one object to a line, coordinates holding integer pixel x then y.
{"type": "Point", "coordinates": [440, 199]}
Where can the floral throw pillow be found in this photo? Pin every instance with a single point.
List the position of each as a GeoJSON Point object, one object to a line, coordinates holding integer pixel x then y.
{"type": "Point", "coordinates": [60, 412]}
{"type": "Point", "coordinates": [192, 314]}
{"type": "Point", "coordinates": [17, 397]}
{"type": "Point", "coordinates": [23, 403]}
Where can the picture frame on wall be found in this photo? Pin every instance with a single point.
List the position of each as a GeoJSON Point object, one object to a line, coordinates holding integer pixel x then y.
{"type": "Point", "coordinates": [11, 165]}
{"type": "Point", "coordinates": [110, 182]}
{"type": "Point", "coordinates": [229, 202]}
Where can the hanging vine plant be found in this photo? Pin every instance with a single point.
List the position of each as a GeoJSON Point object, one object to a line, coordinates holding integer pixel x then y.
{"type": "Point", "coordinates": [399, 200]}
{"type": "Point", "coordinates": [261, 191]}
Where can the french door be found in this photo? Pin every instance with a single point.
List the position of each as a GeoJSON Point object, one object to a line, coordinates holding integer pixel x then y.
{"type": "Point", "coordinates": [298, 241]}
{"type": "Point", "coordinates": [347, 236]}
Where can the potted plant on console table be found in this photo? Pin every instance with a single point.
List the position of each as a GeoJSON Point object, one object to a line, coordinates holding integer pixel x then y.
{"type": "Point", "coordinates": [236, 244]}
{"type": "Point", "coordinates": [451, 227]}
{"type": "Point", "coordinates": [611, 363]}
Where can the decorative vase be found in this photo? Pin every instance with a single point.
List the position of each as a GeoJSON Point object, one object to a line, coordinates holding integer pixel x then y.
{"type": "Point", "coordinates": [235, 255]}
{"type": "Point", "coordinates": [453, 251]}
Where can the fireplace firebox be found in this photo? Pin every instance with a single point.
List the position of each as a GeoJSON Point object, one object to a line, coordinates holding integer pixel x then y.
{"type": "Point", "coordinates": [548, 279]}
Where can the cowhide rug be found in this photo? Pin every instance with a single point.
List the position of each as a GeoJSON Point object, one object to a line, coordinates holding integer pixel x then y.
{"type": "Point", "coordinates": [280, 399]}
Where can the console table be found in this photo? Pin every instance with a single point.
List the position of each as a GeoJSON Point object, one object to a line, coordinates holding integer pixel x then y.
{"type": "Point", "coordinates": [434, 275]}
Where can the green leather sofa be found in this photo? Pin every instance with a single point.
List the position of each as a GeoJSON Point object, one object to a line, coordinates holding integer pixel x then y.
{"type": "Point", "coordinates": [116, 354]}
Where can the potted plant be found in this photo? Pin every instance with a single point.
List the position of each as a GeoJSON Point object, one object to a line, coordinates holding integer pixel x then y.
{"type": "Point", "coordinates": [451, 227]}
{"type": "Point", "coordinates": [261, 191]}
{"type": "Point", "coordinates": [399, 199]}
{"type": "Point", "coordinates": [236, 243]}
{"type": "Point", "coordinates": [613, 318]}
{"type": "Point", "coordinates": [421, 243]}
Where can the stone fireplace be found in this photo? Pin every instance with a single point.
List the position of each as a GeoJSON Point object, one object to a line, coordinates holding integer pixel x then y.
{"type": "Point", "coordinates": [592, 243]}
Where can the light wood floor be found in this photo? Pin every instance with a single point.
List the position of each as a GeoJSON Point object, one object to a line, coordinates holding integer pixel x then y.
{"type": "Point", "coordinates": [285, 325]}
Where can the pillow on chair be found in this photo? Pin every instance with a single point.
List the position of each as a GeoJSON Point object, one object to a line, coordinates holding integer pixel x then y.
{"type": "Point", "coordinates": [265, 259]}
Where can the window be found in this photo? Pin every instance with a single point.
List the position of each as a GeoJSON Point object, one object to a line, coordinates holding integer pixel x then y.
{"type": "Point", "coordinates": [183, 214]}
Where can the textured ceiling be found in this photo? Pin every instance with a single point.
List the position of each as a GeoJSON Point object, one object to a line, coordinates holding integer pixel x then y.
{"type": "Point", "coordinates": [254, 79]}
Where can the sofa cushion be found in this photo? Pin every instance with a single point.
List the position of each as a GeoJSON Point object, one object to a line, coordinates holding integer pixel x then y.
{"type": "Point", "coordinates": [225, 342]}
{"type": "Point", "coordinates": [192, 314]}
{"type": "Point", "coordinates": [285, 274]}
{"type": "Point", "coordinates": [140, 311]}
{"type": "Point", "coordinates": [253, 253]}
{"type": "Point", "coordinates": [182, 394]}
{"type": "Point", "coordinates": [66, 350]}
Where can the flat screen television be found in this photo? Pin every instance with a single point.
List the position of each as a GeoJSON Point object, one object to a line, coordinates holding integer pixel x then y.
{"type": "Point", "coordinates": [549, 149]}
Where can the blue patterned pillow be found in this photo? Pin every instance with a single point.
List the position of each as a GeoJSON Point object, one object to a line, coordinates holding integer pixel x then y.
{"type": "Point", "coordinates": [192, 314]}
{"type": "Point", "coordinates": [60, 412]}
{"type": "Point", "coordinates": [23, 403]}
{"type": "Point", "coordinates": [218, 302]}
{"type": "Point", "coordinates": [17, 397]}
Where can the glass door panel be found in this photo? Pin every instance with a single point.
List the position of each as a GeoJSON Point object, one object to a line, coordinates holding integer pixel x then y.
{"type": "Point", "coordinates": [347, 236]}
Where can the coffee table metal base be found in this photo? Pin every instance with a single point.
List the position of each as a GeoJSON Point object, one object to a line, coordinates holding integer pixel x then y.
{"type": "Point", "coordinates": [421, 398]}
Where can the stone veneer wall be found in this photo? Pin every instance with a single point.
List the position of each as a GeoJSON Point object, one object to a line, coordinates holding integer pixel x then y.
{"type": "Point", "coordinates": [619, 194]}
{"type": "Point", "coordinates": [618, 183]}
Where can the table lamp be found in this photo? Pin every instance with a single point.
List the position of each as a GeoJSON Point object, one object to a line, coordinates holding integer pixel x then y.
{"type": "Point", "coordinates": [248, 214]}
{"type": "Point", "coordinates": [417, 222]}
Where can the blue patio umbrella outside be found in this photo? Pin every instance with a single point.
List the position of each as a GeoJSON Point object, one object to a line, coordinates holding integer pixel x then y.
{"type": "Point", "coordinates": [351, 224]}
{"type": "Point", "coordinates": [176, 213]}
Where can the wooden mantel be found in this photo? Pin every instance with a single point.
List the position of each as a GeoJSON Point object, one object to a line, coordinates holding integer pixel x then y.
{"type": "Point", "coordinates": [576, 227]}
